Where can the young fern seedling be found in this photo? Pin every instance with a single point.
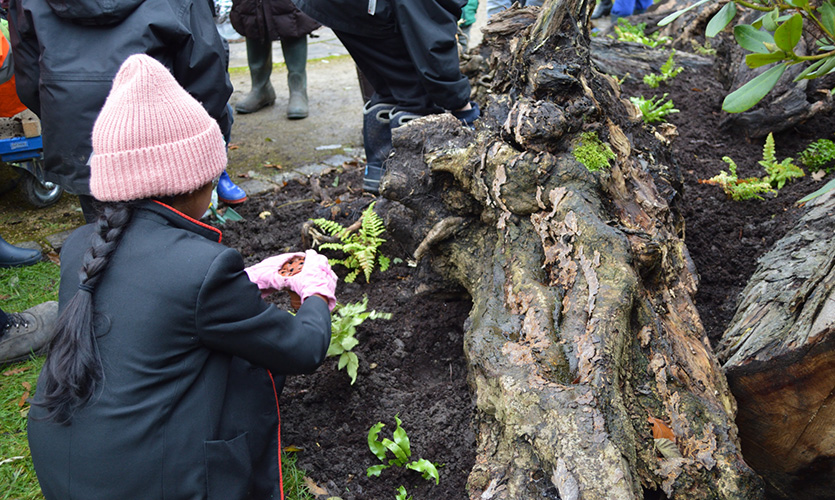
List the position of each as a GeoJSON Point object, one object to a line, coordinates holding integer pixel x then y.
{"type": "Point", "coordinates": [346, 319]}
{"type": "Point", "coordinates": [401, 494]}
{"type": "Point", "coordinates": [401, 449]}
{"type": "Point", "coordinates": [669, 70]}
{"type": "Point", "coordinates": [361, 246]}
{"type": "Point", "coordinates": [739, 189]}
{"type": "Point", "coordinates": [654, 111]}
{"type": "Point", "coordinates": [818, 154]}
{"type": "Point", "coordinates": [778, 173]}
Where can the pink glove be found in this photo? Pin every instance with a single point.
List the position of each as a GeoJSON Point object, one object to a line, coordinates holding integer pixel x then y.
{"type": "Point", "coordinates": [316, 277]}
{"type": "Point", "coordinates": [265, 273]}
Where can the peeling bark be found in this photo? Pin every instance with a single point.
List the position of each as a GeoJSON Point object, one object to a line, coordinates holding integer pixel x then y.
{"type": "Point", "coordinates": [779, 356]}
{"type": "Point", "coordinates": [583, 324]}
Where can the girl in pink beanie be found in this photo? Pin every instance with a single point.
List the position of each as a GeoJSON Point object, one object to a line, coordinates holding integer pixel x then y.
{"type": "Point", "coordinates": [163, 378]}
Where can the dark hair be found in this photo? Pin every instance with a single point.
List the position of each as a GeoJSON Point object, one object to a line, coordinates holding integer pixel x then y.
{"type": "Point", "coordinates": [73, 369]}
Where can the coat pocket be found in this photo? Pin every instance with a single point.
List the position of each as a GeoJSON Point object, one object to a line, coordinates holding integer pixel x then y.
{"type": "Point", "coordinates": [228, 469]}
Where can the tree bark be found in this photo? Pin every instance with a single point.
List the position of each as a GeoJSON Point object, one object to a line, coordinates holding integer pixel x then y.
{"type": "Point", "coordinates": [586, 354]}
{"type": "Point", "coordinates": [779, 356]}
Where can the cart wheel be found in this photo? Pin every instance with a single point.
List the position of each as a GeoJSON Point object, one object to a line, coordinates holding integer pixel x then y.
{"type": "Point", "coordinates": [40, 194]}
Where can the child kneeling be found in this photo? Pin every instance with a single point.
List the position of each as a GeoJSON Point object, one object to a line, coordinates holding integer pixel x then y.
{"type": "Point", "coordinates": [163, 378]}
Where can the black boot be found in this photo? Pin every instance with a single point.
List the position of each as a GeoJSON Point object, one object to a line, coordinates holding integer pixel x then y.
{"type": "Point", "coordinates": [376, 138]}
{"type": "Point", "coordinates": [295, 56]}
{"type": "Point", "coordinates": [603, 8]}
{"type": "Point", "coordinates": [12, 256]}
{"type": "Point", "coordinates": [259, 56]}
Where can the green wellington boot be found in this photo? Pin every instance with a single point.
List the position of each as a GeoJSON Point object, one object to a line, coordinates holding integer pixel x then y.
{"type": "Point", "coordinates": [259, 56]}
{"type": "Point", "coordinates": [295, 56]}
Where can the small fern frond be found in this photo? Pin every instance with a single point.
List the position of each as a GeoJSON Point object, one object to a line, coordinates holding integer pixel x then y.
{"type": "Point", "coordinates": [768, 149]}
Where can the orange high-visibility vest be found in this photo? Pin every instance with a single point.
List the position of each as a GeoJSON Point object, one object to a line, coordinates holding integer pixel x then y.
{"type": "Point", "coordinates": [10, 105]}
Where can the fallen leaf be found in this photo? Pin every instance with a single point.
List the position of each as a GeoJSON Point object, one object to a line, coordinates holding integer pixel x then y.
{"type": "Point", "coordinates": [53, 256]}
{"type": "Point", "coordinates": [243, 176]}
{"type": "Point", "coordinates": [263, 215]}
{"type": "Point", "coordinates": [292, 449]}
{"type": "Point", "coordinates": [314, 488]}
{"type": "Point", "coordinates": [273, 165]}
{"type": "Point", "coordinates": [661, 430]}
{"type": "Point", "coordinates": [16, 371]}
{"type": "Point", "coordinates": [4, 297]}
{"type": "Point", "coordinates": [667, 448]}
{"type": "Point", "coordinates": [816, 176]}
{"type": "Point", "coordinates": [22, 401]}
{"type": "Point", "coordinates": [233, 147]}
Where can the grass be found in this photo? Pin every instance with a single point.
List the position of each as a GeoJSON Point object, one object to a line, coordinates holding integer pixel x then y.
{"type": "Point", "coordinates": [20, 289]}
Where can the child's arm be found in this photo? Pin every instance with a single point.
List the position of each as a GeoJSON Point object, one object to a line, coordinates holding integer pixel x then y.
{"type": "Point", "coordinates": [232, 317]}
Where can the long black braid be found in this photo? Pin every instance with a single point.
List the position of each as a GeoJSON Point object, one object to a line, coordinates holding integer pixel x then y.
{"type": "Point", "coordinates": [73, 368]}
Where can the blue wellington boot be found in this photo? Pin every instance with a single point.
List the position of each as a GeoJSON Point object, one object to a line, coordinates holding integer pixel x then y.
{"type": "Point", "coordinates": [12, 256]}
{"type": "Point", "coordinates": [376, 138]}
{"type": "Point", "coordinates": [228, 192]}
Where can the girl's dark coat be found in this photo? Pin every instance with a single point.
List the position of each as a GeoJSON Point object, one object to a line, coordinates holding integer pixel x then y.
{"type": "Point", "coordinates": [270, 19]}
{"type": "Point", "coordinates": [186, 409]}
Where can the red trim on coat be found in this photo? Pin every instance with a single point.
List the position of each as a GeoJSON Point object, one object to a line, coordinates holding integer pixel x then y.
{"type": "Point", "coordinates": [212, 228]}
{"type": "Point", "coordinates": [278, 412]}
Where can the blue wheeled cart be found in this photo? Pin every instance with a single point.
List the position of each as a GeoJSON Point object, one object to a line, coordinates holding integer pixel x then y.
{"type": "Point", "coordinates": [26, 154]}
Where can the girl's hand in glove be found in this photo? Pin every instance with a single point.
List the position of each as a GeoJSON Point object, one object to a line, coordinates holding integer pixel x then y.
{"type": "Point", "coordinates": [315, 278]}
{"type": "Point", "coordinates": [266, 274]}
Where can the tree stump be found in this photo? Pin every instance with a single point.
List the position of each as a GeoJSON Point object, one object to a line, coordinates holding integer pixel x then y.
{"type": "Point", "coordinates": [779, 356]}
{"type": "Point", "coordinates": [592, 375]}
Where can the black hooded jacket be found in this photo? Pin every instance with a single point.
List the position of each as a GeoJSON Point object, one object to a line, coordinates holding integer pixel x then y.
{"type": "Point", "coordinates": [186, 408]}
{"type": "Point", "coordinates": [66, 54]}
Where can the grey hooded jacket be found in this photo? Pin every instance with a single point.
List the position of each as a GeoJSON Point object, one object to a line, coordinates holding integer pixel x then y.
{"type": "Point", "coordinates": [66, 54]}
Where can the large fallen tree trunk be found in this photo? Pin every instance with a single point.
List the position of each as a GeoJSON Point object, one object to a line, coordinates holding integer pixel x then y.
{"type": "Point", "coordinates": [592, 375]}
{"type": "Point", "coordinates": [779, 356]}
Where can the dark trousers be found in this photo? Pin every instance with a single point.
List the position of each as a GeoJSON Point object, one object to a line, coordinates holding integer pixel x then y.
{"type": "Point", "coordinates": [415, 67]}
{"type": "Point", "coordinates": [386, 65]}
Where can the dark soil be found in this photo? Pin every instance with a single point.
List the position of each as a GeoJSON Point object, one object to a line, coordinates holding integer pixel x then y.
{"type": "Point", "coordinates": [412, 366]}
{"type": "Point", "coordinates": [724, 237]}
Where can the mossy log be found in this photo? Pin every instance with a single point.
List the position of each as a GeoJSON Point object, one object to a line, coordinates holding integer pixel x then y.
{"type": "Point", "coordinates": [592, 375]}
{"type": "Point", "coordinates": [779, 356]}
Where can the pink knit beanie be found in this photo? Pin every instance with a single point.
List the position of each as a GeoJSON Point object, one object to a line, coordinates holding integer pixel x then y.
{"type": "Point", "coordinates": [152, 138]}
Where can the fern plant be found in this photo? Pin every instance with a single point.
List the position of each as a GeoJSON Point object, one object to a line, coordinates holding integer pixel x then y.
{"type": "Point", "coordinates": [346, 319]}
{"type": "Point", "coordinates": [739, 189]}
{"type": "Point", "coordinates": [628, 32]}
{"type": "Point", "coordinates": [669, 70]}
{"type": "Point", "coordinates": [818, 154]}
{"type": "Point", "coordinates": [655, 109]}
{"type": "Point", "coordinates": [361, 247]}
{"type": "Point", "coordinates": [778, 173]}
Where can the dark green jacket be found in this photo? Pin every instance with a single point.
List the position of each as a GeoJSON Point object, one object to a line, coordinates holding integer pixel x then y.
{"type": "Point", "coordinates": [187, 408]}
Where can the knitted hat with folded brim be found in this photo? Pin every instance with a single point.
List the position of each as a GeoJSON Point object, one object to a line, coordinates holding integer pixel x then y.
{"type": "Point", "coordinates": [152, 139]}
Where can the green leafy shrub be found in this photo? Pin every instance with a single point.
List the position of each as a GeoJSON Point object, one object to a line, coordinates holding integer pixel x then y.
{"type": "Point", "coordinates": [655, 109]}
{"type": "Point", "coordinates": [361, 247]}
{"type": "Point", "coordinates": [346, 319]}
{"type": "Point", "coordinates": [669, 70]}
{"type": "Point", "coordinates": [628, 32]}
{"type": "Point", "coordinates": [592, 152]}
{"type": "Point", "coordinates": [818, 154]}
{"type": "Point", "coordinates": [400, 448]}
{"type": "Point", "coordinates": [778, 173]}
{"type": "Point", "coordinates": [773, 39]}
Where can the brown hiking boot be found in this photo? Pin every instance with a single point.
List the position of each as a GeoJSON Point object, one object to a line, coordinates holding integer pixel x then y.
{"type": "Point", "coordinates": [28, 332]}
